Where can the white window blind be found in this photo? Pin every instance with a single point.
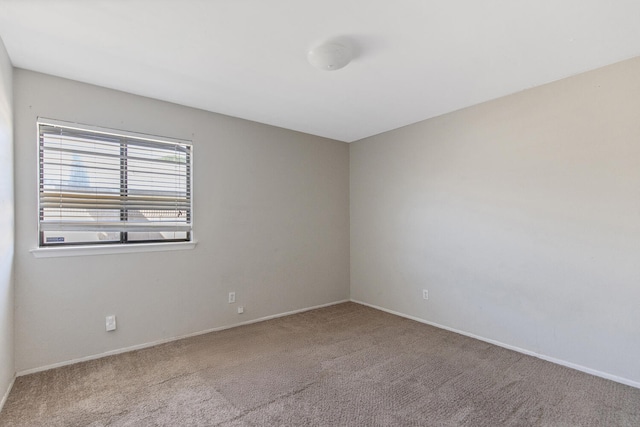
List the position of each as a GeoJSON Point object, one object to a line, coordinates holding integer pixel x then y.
{"type": "Point", "coordinates": [99, 186]}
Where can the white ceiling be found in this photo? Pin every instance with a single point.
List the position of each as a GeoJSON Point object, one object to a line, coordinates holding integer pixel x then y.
{"type": "Point", "coordinates": [415, 59]}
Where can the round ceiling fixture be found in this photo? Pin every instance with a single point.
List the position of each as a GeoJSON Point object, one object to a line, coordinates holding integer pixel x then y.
{"type": "Point", "coordinates": [330, 56]}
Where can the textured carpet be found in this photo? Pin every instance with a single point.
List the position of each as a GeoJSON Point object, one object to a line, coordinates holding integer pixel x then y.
{"type": "Point", "coordinates": [345, 365]}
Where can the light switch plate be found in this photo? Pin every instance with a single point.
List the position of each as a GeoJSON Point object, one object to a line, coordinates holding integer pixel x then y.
{"type": "Point", "coordinates": [111, 323]}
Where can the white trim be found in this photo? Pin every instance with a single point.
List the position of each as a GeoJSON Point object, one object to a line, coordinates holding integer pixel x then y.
{"type": "Point", "coordinates": [561, 362]}
{"type": "Point", "coordinates": [6, 395]}
{"type": "Point", "coordinates": [166, 340]}
{"type": "Point", "coordinates": [64, 251]}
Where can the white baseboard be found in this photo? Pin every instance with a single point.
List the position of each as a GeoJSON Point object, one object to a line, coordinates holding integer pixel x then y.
{"type": "Point", "coordinates": [6, 394]}
{"type": "Point", "coordinates": [166, 340]}
{"type": "Point", "coordinates": [561, 362]}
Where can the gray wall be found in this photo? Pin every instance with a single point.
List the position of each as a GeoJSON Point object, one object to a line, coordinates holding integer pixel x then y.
{"type": "Point", "coordinates": [521, 217]}
{"type": "Point", "coordinates": [271, 213]}
{"type": "Point", "coordinates": [7, 370]}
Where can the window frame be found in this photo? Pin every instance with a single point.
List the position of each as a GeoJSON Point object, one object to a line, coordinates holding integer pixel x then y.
{"type": "Point", "coordinates": [123, 244]}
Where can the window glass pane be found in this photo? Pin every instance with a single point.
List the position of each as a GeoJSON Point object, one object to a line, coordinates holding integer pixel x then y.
{"type": "Point", "coordinates": [157, 216]}
{"type": "Point", "coordinates": [68, 166]}
{"type": "Point", "coordinates": [90, 217]}
{"type": "Point", "coordinates": [157, 236]}
{"type": "Point", "coordinates": [66, 237]}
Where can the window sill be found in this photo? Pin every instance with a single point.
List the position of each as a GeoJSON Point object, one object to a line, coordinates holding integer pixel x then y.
{"type": "Point", "coordinates": [111, 249]}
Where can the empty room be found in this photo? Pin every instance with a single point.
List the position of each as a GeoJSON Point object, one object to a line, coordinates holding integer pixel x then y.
{"type": "Point", "coordinates": [336, 213]}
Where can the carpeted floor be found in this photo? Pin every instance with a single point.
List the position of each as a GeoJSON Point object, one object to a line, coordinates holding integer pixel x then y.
{"type": "Point", "coordinates": [345, 365]}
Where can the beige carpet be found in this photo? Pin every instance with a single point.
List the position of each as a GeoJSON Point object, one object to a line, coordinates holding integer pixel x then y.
{"type": "Point", "coordinates": [345, 365]}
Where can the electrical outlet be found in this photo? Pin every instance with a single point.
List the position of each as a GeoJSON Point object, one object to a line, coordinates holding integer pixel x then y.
{"type": "Point", "coordinates": [232, 297]}
{"type": "Point", "coordinates": [240, 310]}
{"type": "Point", "coordinates": [425, 294]}
{"type": "Point", "coordinates": [110, 322]}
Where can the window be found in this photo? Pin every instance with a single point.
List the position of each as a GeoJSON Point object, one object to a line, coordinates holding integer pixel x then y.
{"type": "Point", "coordinates": [102, 186]}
